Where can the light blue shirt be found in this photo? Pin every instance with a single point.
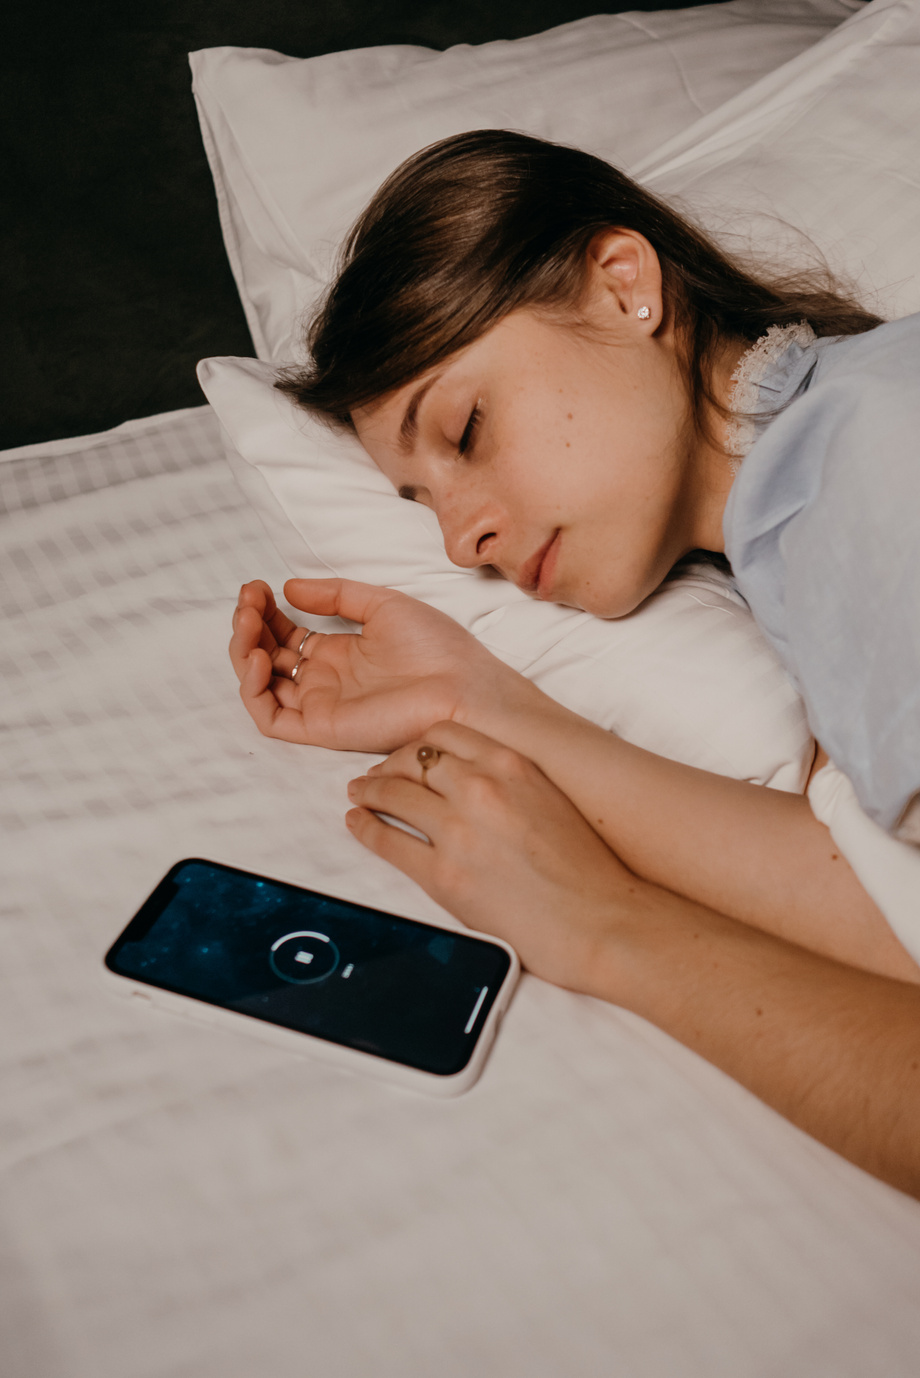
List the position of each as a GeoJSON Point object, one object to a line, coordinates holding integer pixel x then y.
{"type": "Point", "coordinates": [822, 528]}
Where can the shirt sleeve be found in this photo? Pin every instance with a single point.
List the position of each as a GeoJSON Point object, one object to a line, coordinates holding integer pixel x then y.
{"type": "Point", "coordinates": [825, 545]}
{"type": "Point", "coordinates": [888, 870]}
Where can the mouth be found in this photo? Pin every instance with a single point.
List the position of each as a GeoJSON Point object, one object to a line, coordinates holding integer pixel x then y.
{"type": "Point", "coordinates": [535, 575]}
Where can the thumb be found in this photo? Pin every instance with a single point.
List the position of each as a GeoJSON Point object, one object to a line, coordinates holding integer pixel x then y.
{"type": "Point", "coordinates": [337, 598]}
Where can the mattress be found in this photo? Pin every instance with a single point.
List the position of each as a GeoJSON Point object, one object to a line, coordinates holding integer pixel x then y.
{"type": "Point", "coordinates": [177, 1201]}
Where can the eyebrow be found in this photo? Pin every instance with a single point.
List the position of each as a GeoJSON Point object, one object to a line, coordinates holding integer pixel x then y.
{"type": "Point", "coordinates": [409, 428]}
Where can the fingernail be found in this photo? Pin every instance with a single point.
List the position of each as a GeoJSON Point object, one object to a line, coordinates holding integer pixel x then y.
{"type": "Point", "coordinates": [351, 818]}
{"type": "Point", "coordinates": [353, 786]}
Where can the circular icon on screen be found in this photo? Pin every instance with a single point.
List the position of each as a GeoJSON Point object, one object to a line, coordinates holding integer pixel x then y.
{"type": "Point", "coordinates": [303, 957]}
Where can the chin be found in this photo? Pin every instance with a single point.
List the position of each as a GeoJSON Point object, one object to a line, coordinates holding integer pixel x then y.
{"type": "Point", "coordinates": [608, 606]}
{"type": "Point", "coordinates": [607, 603]}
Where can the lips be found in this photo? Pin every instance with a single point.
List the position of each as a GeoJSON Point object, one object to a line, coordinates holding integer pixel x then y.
{"type": "Point", "coordinates": [533, 575]}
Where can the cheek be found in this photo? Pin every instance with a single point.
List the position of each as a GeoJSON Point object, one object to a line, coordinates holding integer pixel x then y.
{"type": "Point", "coordinates": [544, 466]}
{"type": "Point", "coordinates": [620, 541]}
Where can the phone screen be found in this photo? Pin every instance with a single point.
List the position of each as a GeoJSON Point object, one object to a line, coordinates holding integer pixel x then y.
{"type": "Point", "coordinates": [356, 976]}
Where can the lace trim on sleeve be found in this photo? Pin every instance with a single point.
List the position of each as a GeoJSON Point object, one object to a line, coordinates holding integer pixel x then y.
{"type": "Point", "coordinates": [752, 368]}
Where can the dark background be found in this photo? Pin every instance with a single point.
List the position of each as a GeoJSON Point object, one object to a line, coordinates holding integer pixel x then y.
{"type": "Point", "coordinates": [115, 280]}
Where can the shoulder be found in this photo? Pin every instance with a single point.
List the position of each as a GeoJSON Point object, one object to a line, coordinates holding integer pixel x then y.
{"type": "Point", "coordinates": [854, 419]}
{"type": "Point", "coordinates": [857, 428]}
{"type": "Point", "coordinates": [861, 367]}
{"type": "Point", "coordinates": [822, 535]}
{"type": "Point", "coordinates": [823, 520]}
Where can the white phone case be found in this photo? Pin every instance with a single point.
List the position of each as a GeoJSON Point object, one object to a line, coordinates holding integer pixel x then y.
{"type": "Point", "coordinates": [349, 1059]}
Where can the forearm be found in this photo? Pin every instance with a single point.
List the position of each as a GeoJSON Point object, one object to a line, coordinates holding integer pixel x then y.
{"type": "Point", "coordinates": [835, 1050]}
{"type": "Point", "coordinates": [756, 854]}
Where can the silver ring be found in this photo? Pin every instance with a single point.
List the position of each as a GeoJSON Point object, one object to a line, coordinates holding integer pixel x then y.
{"type": "Point", "coordinates": [300, 662]}
{"type": "Point", "coordinates": [304, 639]}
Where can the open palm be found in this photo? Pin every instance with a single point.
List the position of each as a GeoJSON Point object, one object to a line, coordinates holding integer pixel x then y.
{"type": "Point", "coordinates": [409, 667]}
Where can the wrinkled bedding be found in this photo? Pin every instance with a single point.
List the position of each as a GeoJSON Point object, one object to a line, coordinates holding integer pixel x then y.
{"type": "Point", "coordinates": [176, 1201]}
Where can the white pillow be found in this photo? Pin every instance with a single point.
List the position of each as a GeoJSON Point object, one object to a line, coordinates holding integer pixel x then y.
{"type": "Point", "coordinates": [828, 145]}
{"type": "Point", "coordinates": [298, 146]}
{"type": "Point", "coordinates": [688, 675]}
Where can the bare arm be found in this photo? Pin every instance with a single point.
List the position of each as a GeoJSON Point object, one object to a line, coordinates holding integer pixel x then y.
{"type": "Point", "coordinates": [756, 854]}
{"type": "Point", "coordinates": [834, 1049]}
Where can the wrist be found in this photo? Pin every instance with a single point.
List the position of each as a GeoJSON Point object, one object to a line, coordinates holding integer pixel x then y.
{"type": "Point", "coordinates": [567, 747]}
{"type": "Point", "coordinates": [496, 699]}
{"type": "Point", "coordinates": [649, 938]}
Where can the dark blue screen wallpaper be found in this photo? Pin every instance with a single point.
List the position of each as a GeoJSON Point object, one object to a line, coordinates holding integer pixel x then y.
{"type": "Point", "coordinates": [342, 972]}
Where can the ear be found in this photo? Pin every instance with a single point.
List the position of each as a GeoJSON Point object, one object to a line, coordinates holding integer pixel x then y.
{"type": "Point", "coordinates": [624, 275]}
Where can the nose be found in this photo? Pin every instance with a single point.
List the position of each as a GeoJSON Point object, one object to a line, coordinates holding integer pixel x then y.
{"type": "Point", "coordinates": [471, 530]}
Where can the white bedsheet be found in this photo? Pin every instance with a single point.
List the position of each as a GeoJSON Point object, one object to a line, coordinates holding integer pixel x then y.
{"type": "Point", "coordinates": [177, 1202]}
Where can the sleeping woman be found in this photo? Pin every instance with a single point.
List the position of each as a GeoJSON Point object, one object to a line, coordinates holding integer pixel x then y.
{"type": "Point", "coordinates": [585, 390]}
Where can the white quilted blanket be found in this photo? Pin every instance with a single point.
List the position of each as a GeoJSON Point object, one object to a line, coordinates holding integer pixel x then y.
{"type": "Point", "coordinates": [177, 1202]}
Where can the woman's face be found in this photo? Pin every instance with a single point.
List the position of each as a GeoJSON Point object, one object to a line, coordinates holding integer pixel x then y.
{"type": "Point", "coordinates": [558, 456]}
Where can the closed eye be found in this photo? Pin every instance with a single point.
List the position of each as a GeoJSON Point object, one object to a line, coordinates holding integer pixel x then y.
{"type": "Point", "coordinates": [469, 434]}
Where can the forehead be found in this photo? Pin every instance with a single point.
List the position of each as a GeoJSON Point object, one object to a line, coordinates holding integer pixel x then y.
{"type": "Point", "coordinates": [513, 358]}
{"type": "Point", "coordinates": [396, 413]}
{"type": "Point", "coordinates": [392, 421]}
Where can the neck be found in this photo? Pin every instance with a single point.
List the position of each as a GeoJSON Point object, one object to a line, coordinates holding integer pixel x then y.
{"type": "Point", "coordinates": [710, 471]}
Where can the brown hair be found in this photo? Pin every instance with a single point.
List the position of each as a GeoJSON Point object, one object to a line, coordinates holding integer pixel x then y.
{"type": "Point", "coordinates": [482, 224]}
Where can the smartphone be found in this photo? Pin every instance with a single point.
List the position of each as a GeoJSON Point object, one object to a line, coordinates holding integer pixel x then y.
{"type": "Point", "coordinates": [372, 991]}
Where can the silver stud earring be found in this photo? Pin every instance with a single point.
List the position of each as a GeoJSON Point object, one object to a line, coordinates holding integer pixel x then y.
{"type": "Point", "coordinates": [643, 313]}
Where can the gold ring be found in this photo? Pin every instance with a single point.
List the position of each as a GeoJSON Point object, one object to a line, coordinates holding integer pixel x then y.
{"type": "Point", "coordinates": [427, 756]}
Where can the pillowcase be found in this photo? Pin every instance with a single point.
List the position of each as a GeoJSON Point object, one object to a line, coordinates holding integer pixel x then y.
{"type": "Point", "coordinates": [828, 145]}
{"type": "Point", "coordinates": [298, 146]}
{"type": "Point", "coordinates": [687, 675]}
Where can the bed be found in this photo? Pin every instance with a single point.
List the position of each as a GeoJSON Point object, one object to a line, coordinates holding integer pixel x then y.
{"type": "Point", "coordinates": [179, 1201]}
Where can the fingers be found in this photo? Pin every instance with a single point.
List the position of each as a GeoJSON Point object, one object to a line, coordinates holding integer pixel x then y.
{"type": "Point", "coordinates": [337, 597]}
{"type": "Point", "coordinates": [465, 806]}
{"type": "Point", "coordinates": [257, 595]}
{"type": "Point", "coordinates": [247, 634]}
{"type": "Point", "coordinates": [400, 849]}
{"type": "Point", "coordinates": [257, 621]}
{"type": "Point", "coordinates": [264, 695]}
{"type": "Point", "coordinates": [456, 744]}
{"type": "Point", "coordinates": [440, 779]}
{"type": "Point", "coordinates": [302, 643]}
{"type": "Point", "coordinates": [403, 799]}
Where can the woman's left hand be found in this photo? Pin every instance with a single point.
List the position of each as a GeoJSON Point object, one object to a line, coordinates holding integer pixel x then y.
{"type": "Point", "coordinates": [509, 854]}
